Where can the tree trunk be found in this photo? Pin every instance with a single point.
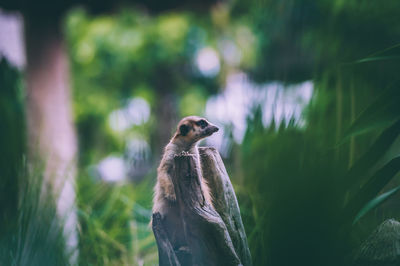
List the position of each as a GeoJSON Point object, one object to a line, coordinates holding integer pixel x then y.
{"type": "Point", "coordinates": [193, 232]}
{"type": "Point", "coordinates": [51, 135]}
{"type": "Point", "coordinates": [166, 113]}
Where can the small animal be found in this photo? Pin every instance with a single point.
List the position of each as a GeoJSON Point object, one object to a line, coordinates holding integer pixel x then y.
{"type": "Point", "coordinates": [190, 131]}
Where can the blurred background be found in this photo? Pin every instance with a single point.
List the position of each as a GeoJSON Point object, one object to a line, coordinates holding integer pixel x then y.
{"type": "Point", "coordinates": [306, 94]}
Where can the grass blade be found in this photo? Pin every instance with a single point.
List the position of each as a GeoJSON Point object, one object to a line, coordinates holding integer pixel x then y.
{"type": "Point", "coordinates": [383, 112]}
{"type": "Point", "coordinates": [375, 203]}
{"type": "Point", "coordinates": [377, 150]}
{"type": "Point", "coordinates": [374, 59]}
{"type": "Point", "coordinates": [375, 184]}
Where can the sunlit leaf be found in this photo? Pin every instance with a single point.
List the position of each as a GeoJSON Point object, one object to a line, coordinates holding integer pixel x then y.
{"type": "Point", "coordinates": [375, 203]}
{"type": "Point", "coordinates": [376, 58]}
{"type": "Point", "coordinates": [375, 184]}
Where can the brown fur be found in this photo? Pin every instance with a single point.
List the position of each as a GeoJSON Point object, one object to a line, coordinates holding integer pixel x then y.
{"type": "Point", "coordinates": [190, 131]}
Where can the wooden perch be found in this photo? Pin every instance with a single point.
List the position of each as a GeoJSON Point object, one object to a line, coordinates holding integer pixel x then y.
{"type": "Point", "coordinates": [224, 200]}
{"type": "Point", "coordinates": [382, 247]}
{"type": "Point", "coordinates": [192, 231]}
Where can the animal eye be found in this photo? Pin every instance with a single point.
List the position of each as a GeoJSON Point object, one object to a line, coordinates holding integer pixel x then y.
{"type": "Point", "coordinates": [202, 123]}
{"type": "Point", "coordinates": [184, 129]}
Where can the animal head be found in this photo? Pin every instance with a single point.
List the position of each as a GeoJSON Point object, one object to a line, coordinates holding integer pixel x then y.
{"type": "Point", "coordinates": [191, 129]}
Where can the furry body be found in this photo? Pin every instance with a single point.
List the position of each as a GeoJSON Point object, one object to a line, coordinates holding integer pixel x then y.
{"type": "Point", "coordinates": [189, 132]}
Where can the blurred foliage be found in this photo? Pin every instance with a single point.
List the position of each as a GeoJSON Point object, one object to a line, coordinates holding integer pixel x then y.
{"type": "Point", "coordinates": [301, 39]}
{"type": "Point", "coordinates": [114, 224]}
{"type": "Point", "coordinates": [30, 233]}
{"type": "Point", "coordinates": [36, 235]}
{"type": "Point", "coordinates": [307, 194]}
{"type": "Point", "coordinates": [12, 140]}
{"type": "Point", "coordinates": [303, 197]}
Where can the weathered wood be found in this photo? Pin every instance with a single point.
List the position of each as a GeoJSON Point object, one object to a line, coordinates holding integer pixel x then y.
{"type": "Point", "coordinates": [165, 250]}
{"type": "Point", "coordinates": [206, 234]}
{"type": "Point", "coordinates": [224, 200]}
{"type": "Point", "coordinates": [192, 232]}
{"type": "Point", "coordinates": [382, 248]}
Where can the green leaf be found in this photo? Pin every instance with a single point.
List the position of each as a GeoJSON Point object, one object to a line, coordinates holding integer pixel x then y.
{"type": "Point", "coordinates": [375, 203]}
{"type": "Point", "coordinates": [375, 58]}
{"type": "Point", "coordinates": [359, 169]}
{"type": "Point", "coordinates": [383, 112]}
{"type": "Point", "coordinates": [375, 184]}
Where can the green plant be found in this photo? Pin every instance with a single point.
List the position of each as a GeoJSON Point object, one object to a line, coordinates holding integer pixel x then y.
{"type": "Point", "coordinates": [302, 204]}
{"type": "Point", "coordinates": [30, 231]}
{"type": "Point", "coordinates": [114, 224]}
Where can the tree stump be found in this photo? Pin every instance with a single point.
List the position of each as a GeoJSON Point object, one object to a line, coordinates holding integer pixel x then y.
{"type": "Point", "coordinates": [194, 233]}
{"type": "Point", "coordinates": [382, 247]}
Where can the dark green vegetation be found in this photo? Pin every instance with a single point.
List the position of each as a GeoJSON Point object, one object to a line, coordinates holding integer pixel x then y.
{"type": "Point", "coordinates": [309, 194]}
{"type": "Point", "coordinates": [30, 234]}
{"type": "Point", "coordinates": [311, 191]}
{"type": "Point", "coordinates": [306, 199]}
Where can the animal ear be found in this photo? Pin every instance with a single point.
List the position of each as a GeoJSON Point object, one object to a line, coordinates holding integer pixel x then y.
{"type": "Point", "coordinates": [184, 129]}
